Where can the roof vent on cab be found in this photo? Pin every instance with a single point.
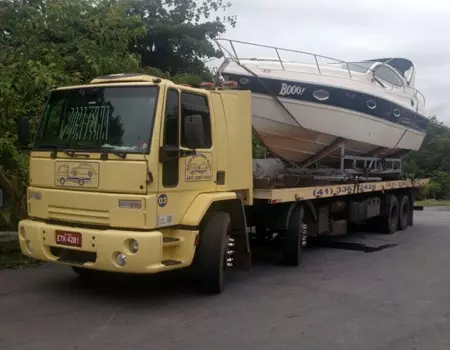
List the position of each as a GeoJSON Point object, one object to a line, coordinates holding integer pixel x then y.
{"type": "Point", "coordinates": [127, 77]}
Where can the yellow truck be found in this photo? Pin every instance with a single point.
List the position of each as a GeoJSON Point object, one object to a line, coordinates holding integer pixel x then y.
{"type": "Point", "coordinates": [136, 174]}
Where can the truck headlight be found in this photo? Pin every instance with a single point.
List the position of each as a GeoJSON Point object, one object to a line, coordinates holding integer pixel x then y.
{"type": "Point", "coordinates": [133, 246]}
{"type": "Point", "coordinates": [121, 259]}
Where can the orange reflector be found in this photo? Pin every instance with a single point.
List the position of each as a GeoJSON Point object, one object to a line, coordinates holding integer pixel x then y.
{"type": "Point", "coordinates": [196, 239]}
{"type": "Point", "coordinates": [207, 85]}
{"type": "Point", "coordinates": [230, 84]}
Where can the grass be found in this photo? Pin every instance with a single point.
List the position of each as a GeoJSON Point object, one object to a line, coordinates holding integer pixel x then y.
{"type": "Point", "coordinates": [433, 203]}
{"type": "Point", "coordinates": [13, 259]}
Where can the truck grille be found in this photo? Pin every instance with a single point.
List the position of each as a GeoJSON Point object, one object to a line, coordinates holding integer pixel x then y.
{"type": "Point", "coordinates": [100, 217]}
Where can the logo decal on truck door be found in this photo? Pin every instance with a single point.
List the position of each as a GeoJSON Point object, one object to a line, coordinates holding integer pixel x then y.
{"type": "Point", "coordinates": [74, 174]}
{"type": "Point", "coordinates": [199, 167]}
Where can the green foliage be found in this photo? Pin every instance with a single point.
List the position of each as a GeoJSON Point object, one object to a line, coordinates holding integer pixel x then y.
{"type": "Point", "coordinates": [12, 258]}
{"type": "Point", "coordinates": [51, 43]}
{"type": "Point", "coordinates": [433, 160]}
{"type": "Point", "coordinates": [13, 178]}
{"type": "Point", "coordinates": [48, 43]}
{"type": "Point", "coordinates": [259, 151]}
{"type": "Point", "coordinates": [178, 33]}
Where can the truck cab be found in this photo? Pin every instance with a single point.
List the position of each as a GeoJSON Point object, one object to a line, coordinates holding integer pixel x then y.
{"type": "Point", "coordinates": [127, 170]}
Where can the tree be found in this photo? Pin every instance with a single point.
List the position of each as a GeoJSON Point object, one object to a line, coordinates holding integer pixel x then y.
{"type": "Point", "coordinates": [433, 160]}
{"type": "Point", "coordinates": [45, 43]}
{"type": "Point", "coordinates": [178, 34]}
{"type": "Point", "coordinates": [434, 153]}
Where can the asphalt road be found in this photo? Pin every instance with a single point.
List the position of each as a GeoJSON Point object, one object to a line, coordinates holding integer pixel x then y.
{"type": "Point", "coordinates": [347, 296]}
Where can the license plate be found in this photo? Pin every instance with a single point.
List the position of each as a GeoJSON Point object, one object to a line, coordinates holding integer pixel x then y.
{"type": "Point", "coordinates": [72, 239]}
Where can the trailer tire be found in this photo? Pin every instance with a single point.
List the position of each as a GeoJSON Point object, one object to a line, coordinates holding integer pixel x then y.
{"type": "Point", "coordinates": [404, 214]}
{"type": "Point", "coordinates": [293, 238]}
{"type": "Point", "coordinates": [212, 251]}
{"type": "Point", "coordinates": [390, 217]}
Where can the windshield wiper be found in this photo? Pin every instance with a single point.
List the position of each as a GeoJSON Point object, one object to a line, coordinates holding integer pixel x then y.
{"type": "Point", "coordinates": [105, 151]}
{"type": "Point", "coordinates": [56, 150]}
{"type": "Point", "coordinates": [122, 155]}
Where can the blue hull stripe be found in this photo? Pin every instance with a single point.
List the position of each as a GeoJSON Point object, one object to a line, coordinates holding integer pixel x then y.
{"type": "Point", "coordinates": [337, 97]}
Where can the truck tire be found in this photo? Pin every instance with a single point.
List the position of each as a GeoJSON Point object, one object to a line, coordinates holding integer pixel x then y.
{"type": "Point", "coordinates": [389, 220]}
{"type": "Point", "coordinates": [404, 209]}
{"type": "Point", "coordinates": [210, 261]}
{"type": "Point", "coordinates": [293, 238]}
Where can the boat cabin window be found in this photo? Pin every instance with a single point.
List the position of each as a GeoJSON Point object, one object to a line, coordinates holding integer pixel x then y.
{"type": "Point", "coordinates": [359, 67]}
{"type": "Point", "coordinates": [195, 104]}
{"type": "Point", "coordinates": [387, 74]}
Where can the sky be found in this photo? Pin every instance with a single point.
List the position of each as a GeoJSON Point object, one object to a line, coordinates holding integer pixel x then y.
{"type": "Point", "coordinates": [354, 30]}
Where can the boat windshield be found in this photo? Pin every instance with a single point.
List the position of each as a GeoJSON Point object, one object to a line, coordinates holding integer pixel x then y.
{"type": "Point", "coordinates": [98, 118]}
{"type": "Point", "coordinates": [360, 67]}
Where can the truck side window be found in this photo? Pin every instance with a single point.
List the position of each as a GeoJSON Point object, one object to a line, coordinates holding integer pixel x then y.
{"type": "Point", "coordinates": [193, 104]}
{"type": "Point", "coordinates": [170, 171]}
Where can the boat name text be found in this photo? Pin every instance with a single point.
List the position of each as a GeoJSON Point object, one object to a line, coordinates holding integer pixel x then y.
{"type": "Point", "coordinates": [288, 90]}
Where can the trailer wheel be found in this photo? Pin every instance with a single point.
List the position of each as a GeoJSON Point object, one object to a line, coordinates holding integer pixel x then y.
{"type": "Point", "coordinates": [404, 214]}
{"type": "Point", "coordinates": [293, 238]}
{"type": "Point", "coordinates": [213, 255]}
{"type": "Point", "coordinates": [389, 220]}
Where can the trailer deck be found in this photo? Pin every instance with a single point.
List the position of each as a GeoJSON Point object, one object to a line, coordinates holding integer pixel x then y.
{"type": "Point", "coordinates": [285, 195]}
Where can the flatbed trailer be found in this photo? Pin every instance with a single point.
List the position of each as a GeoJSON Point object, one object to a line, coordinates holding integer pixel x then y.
{"type": "Point", "coordinates": [171, 185]}
{"type": "Point", "coordinates": [330, 210]}
{"type": "Point", "coordinates": [331, 191]}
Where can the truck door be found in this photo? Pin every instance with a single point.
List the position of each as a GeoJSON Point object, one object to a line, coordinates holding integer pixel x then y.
{"type": "Point", "coordinates": [185, 172]}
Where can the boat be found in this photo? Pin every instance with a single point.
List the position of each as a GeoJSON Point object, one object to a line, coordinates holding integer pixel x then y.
{"type": "Point", "coordinates": [314, 115]}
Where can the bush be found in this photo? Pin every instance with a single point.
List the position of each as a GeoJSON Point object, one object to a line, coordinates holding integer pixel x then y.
{"type": "Point", "coordinates": [13, 180]}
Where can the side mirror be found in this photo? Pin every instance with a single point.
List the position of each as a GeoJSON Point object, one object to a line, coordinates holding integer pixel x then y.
{"type": "Point", "coordinates": [194, 132]}
{"type": "Point", "coordinates": [24, 132]}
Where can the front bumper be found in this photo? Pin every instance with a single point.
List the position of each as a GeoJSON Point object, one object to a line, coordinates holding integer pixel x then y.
{"type": "Point", "coordinates": [158, 251]}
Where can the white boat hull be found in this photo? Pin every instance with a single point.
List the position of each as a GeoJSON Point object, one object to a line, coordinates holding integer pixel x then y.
{"type": "Point", "coordinates": [310, 127]}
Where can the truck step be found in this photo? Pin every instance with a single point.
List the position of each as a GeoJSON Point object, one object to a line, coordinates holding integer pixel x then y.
{"type": "Point", "coordinates": [171, 262]}
{"type": "Point", "coordinates": [171, 241]}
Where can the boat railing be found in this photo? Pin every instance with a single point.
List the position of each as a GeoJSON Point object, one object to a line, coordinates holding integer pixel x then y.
{"type": "Point", "coordinates": [417, 94]}
{"type": "Point", "coordinates": [233, 55]}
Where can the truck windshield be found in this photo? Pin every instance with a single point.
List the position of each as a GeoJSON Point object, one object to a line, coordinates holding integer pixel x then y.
{"type": "Point", "coordinates": [99, 118]}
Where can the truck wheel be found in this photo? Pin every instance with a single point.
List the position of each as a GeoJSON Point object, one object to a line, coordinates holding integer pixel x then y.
{"type": "Point", "coordinates": [213, 256]}
{"type": "Point", "coordinates": [404, 209]}
{"type": "Point", "coordinates": [293, 238]}
{"type": "Point", "coordinates": [389, 220]}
